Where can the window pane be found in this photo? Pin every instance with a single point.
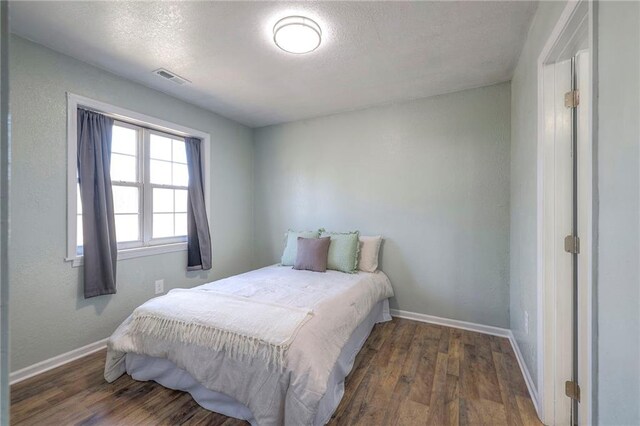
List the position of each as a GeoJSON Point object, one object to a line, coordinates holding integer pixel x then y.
{"type": "Point", "coordinates": [160, 147]}
{"type": "Point", "coordinates": [160, 172]}
{"type": "Point", "coordinates": [78, 200]}
{"type": "Point", "coordinates": [124, 140]}
{"type": "Point", "coordinates": [162, 200]}
{"type": "Point", "coordinates": [79, 234]}
{"type": "Point", "coordinates": [125, 199]}
{"type": "Point", "coordinates": [181, 224]}
{"type": "Point", "coordinates": [179, 152]}
{"type": "Point", "coordinates": [180, 175]}
{"type": "Point", "coordinates": [181, 200]}
{"type": "Point", "coordinates": [123, 168]}
{"type": "Point", "coordinates": [127, 227]}
{"type": "Point", "coordinates": [162, 225]}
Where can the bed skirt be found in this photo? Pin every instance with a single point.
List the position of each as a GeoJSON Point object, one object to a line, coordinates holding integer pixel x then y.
{"type": "Point", "coordinates": [166, 373]}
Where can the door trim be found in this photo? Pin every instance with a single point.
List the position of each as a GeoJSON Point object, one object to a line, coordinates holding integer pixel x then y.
{"type": "Point", "coordinates": [575, 17]}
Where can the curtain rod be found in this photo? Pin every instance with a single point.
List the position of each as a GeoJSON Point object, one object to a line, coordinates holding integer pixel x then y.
{"type": "Point", "coordinates": [137, 123]}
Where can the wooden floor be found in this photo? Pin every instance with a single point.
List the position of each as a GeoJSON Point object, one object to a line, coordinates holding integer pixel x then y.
{"type": "Point", "coordinates": [408, 373]}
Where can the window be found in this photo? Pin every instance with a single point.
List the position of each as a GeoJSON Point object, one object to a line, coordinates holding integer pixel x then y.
{"type": "Point", "coordinates": [157, 197]}
{"type": "Point", "coordinates": [126, 183]}
{"type": "Point", "coordinates": [168, 180]}
{"type": "Point", "coordinates": [149, 177]}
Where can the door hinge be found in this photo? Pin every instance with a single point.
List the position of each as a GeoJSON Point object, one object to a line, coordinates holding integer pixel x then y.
{"type": "Point", "coordinates": [572, 99]}
{"type": "Point", "coordinates": [572, 244]}
{"type": "Point", "coordinates": [572, 390]}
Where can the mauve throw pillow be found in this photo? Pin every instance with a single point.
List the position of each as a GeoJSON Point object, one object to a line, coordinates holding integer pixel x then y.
{"type": "Point", "coordinates": [312, 254]}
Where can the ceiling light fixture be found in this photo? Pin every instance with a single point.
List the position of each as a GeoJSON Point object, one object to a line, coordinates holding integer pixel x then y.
{"type": "Point", "coordinates": [297, 34]}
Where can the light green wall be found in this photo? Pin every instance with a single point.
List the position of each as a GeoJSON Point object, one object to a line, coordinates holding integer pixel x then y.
{"type": "Point", "coordinates": [618, 251]}
{"type": "Point", "coordinates": [524, 142]}
{"type": "Point", "coordinates": [431, 176]}
{"type": "Point", "coordinates": [49, 316]}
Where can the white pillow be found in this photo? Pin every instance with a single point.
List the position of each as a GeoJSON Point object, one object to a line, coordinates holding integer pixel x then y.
{"type": "Point", "coordinates": [368, 256]}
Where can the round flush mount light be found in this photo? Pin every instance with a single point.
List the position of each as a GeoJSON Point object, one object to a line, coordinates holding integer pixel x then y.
{"type": "Point", "coordinates": [297, 34]}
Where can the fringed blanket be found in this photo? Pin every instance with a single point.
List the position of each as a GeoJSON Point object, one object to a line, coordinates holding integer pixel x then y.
{"type": "Point", "coordinates": [239, 326]}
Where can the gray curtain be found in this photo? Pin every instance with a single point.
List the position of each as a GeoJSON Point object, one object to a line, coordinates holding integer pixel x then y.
{"type": "Point", "coordinates": [100, 249]}
{"type": "Point", "coordinates": [199, 238]}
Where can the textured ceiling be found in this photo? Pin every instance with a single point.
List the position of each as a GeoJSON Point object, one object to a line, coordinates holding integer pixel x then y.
{"type": "Point", "coordinates": [372, 52]}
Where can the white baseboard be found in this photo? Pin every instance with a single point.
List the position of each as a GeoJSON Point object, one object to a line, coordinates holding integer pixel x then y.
{"type": "Point", "coordinates": [464, 325]}
{"type": "Point", "coordinates": [533, 391]}
{"type": "Point", "coordinates": [56, 361]}
{"type": "Point", "coordinates": [479, 328]}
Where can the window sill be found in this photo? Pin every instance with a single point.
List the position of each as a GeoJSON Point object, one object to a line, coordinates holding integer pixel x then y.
{"type": "Point", "coordinates": [132, 253]}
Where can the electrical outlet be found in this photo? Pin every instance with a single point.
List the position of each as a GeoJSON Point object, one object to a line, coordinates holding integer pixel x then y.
{"type": "Point", "coordinates": [159, 286]}
{"type": "Point", "coordinates": [526, 322]}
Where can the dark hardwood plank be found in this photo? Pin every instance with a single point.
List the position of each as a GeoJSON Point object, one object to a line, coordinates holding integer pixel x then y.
{"type": "Point", "coordinates": [452, 401]}
{"type": "Point", "coordinates": [468, 372]}
{"type": "Point", "coordinates": [506, 394]}
{"type": "Point", "coordinates": [421, 388]}
{"type": "Point", "coordinates": [411, 413]}
{"type": "Point", "coordinates": [407, 373]}
{"type": "Point", "coordinates": [487, 379]}
{"type": "Point", "coordinates": [439, 391]}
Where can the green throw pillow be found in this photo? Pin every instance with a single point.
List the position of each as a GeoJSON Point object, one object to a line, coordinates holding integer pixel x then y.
{"type": "Point", "coordinates": [343, 251]}
{"type": "Point", "coordinates": [291, 249]}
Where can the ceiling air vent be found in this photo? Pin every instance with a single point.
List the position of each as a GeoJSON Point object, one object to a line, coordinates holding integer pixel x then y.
{"type": "Point", "coordinates": [168, 75]}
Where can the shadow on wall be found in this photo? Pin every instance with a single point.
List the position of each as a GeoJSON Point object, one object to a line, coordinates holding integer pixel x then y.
{"type": "Point", "coordinates": [99, 303]}
{"type": "Point", "coordinates": [399, 263]}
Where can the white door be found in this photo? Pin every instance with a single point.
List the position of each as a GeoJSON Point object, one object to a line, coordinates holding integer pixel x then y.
{"type": "Point", "coordinates": [563, 223]}
{"type": "Point", "coordinates": [568, 130]}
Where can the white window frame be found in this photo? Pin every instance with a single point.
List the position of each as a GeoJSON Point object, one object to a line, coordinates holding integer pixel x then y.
{"type": "Point", "coordinates": [138, 184]}
{"type": "Point", "coordinates": [148, 187]}
{"type": "Point", "coordinates": [131, 117]}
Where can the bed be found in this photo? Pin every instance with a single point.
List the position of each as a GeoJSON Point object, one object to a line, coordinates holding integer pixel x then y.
{"type": "Point", "coordinates": [306, 386]}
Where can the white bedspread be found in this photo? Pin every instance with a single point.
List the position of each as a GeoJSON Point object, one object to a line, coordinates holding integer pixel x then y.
{"type": "Point", "coordinates": [339, 301]}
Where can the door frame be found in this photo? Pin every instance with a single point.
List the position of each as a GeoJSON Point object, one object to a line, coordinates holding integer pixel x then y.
{"type": "Point", "coordinates": [4, 213]}
{"type": "Point", "coordinates": [577, 16]}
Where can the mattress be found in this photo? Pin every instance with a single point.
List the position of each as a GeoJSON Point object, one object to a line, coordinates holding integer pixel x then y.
{"type": "Point", "coordinates": [166, 373]}
{"type": "Point", "coordinates": [294, 395]}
